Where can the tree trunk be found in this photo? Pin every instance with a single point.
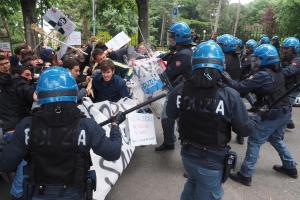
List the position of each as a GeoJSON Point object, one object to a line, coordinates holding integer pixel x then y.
{"type": "Point", "coordinates": [29, 17]}
{"type": "Point", "coordinates": [85, 29]}
{"type": "Point", "coordinates": [143, 8]}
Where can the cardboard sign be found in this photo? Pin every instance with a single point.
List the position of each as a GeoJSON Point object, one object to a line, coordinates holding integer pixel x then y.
{"type": "Point", "coordinates": [141, 130]}
{"type": "Point", "coordinates": [59, 21]}
{"type": "Point", "coordinates": [5, 46]}
{"type": "Point", "coordinates": [74, 38]}
{"type": "Point", "coordinates": [118, 41]}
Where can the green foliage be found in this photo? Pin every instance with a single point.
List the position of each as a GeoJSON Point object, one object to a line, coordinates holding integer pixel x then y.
{"type": "Point", "coordinates": [288, 17]}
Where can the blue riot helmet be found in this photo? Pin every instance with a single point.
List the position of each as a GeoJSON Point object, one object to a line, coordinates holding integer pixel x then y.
{"type": "Point", "coordinates": [56, 84]}
{"type": "Point", "coordinates": [239, 45]}
{"type": "Point", "coordinates": [251, 45]}
{"type": "Point", "coordinates": [262, 35]}
{"type": "Point", "coordinates": [227, 42]}
{"type": "Point", "coordinates": [208, 55]}
{"type": "Point", "coordinates": [291, 43]}
{"type": "Point", "coordinates": [265, 54]}
{"type": "Point", "coordinates": [179, 33]}
{"type": "Point", "coordinates": [264, 40]}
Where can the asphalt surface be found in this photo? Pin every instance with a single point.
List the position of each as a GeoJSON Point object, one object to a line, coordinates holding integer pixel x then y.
{"type": "Point", "coordinates": [159, 176]}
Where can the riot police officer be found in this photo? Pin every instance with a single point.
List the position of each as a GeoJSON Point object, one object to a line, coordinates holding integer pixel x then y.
{"type": "Point", "coordinates": [178, 70]}
{"type": "Point", "coordinates": [232, 62]}
{"type": "Point", "coordinates": [268, 85]}
{"type": "Point", "coordinates": [229, 46]}
{"type": "Point", "coordinates": [290, 61]}
{"type": "Point", "coordinates": [264, 39]}
{"type": "Point", "coordinates": [57, 139]}
{"type": "Point", "coordinates": [207, 110]}
{"type": "Point", "coordinates": [275, 43]}
{"type": "Point", "coordinates": [250, 46]}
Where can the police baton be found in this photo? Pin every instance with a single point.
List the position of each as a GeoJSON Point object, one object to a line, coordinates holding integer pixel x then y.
{"type": "Point", "coordinates": [135, 108]}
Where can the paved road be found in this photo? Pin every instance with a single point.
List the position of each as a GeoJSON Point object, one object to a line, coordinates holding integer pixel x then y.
{"type": "Point", "coordinates": [158, 176]}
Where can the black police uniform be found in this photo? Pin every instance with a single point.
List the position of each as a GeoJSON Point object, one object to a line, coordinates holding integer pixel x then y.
{"type": "Point", "coordinates": [291, 71]}
{"type": "Point", "coordinates": [206, 116]}
{"type": "Point", "coordinates": [245, 66]}
{"type": "Point", "coordinates": [179, 65]}
{"type": "Point", "coordinates": [178, 69]}
{"type": "Point", "coordinates": [268, 85]}
{"type": "Point", "coordinates": [232, 65]}
{"type": "Point", "coordinates": [57, 147]}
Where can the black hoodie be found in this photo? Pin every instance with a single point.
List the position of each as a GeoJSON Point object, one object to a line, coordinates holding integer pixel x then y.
{"type": "Point", "coordinates": [16, 97]}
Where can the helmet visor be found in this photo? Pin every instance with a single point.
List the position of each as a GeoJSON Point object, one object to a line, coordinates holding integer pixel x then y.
{"type": "Point", "coordinates": [171, 39]}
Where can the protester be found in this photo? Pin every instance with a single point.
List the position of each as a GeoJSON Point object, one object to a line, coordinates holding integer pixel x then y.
{"type": "Point", "coordinates": [109, 86]}
{"type": "Point", "coordinates": [72, 64]}
{"type": "Point", "coordinates": [15, 60]}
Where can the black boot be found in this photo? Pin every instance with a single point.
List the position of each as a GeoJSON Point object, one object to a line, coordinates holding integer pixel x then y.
{"type": "Point", "coordinates": [290, 172]}
{"type": "Point", "coordinates": [240, 140]}
{"type": "Point", "coordinates": [165, 147]}
{"type": "Point", "coordinates": [238, 177]}
{"type": "Point", "coordinates": [290, 125]}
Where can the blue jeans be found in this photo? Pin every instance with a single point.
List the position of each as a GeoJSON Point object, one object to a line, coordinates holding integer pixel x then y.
{"type": "Point", "coordinates": [58, 193]}
{"type": "Point", "coordinates": [168, 126]}
{"type": "Point", "coordinates": [17, 184]}
{"type": "Point", "coordinates": [203, 183]}
{"type": "Point", "coordinates": [273, 132]}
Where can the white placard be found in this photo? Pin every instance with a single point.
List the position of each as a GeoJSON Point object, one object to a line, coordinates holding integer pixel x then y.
{"type": "Point", "coordinates": [5, 46]}
{"type": "Point", "coordinates": [141, 130]}
{"type": "Point", "coordinates": [118, 41]}
{"type": "Point", "coordinates": [74, 38]}
{"type": "Point", "coordinates": [59, 21]}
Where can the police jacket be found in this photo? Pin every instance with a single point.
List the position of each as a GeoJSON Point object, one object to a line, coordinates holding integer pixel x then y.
{"type": "Point", "coordinates": [207, 115]}
{"type": "Point", "coordinates": [113, 90]}
{"type": "Point", "coordinates": [292, 72]}
{"type": "Point", "coordinates": [232, 63]}
{"type": "Point", "coordinates": [179, 65]}
{"type": "Point", "coordinates": [245, 66]}
{"type": "Point", "coordinates": [58, 151]}
{"type": "Point", "coordinates": [16, 98]}
{"type": "Point", "coordinates": [266, 84]}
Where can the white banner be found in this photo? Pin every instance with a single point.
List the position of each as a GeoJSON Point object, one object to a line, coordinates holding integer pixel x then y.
{"type": "Point", "coordinates": [59, 21]}
{"type": "Point", "coordinates": [108, 172]}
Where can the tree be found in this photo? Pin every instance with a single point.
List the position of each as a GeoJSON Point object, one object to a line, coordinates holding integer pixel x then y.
{"type": "Point", "coordinates": [268, 21]}
{"type": "Point", "coordinates": [29, 17]}
{"type": "Point", "coordinates": [143, 7]}
{"type": "Point", "coordinates": [288, 17]}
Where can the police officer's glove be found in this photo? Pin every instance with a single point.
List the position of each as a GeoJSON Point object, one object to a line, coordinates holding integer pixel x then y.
{"type": "Point", "coordinates": [226, 78]}
{"type": "Point", "coordinates": [118, 119]}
